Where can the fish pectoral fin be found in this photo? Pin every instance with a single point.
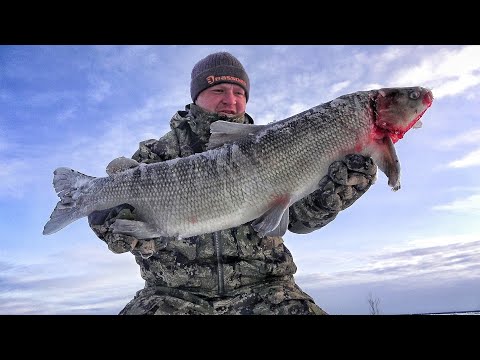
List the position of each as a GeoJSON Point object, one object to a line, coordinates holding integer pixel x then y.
{"type": "Point", "coordinates": [273, 223]}
{"type": "Point", "coordinates": [120, 164]}
{"type": "Point", "coordinates": [135, 228]}
{"type": "Point", "coordinates": [418, 125]}
{"type": "Point", "coordinates": [385, 156]}
{"type": "Point", "coordinates": [223, 132]}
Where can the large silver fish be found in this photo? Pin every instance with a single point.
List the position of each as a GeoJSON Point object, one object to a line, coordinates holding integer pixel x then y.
{"type": "Point", "coordinates": [250, 172]}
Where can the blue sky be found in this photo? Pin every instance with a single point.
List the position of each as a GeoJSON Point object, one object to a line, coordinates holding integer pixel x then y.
{"type": "Point", "coordinates": [416, 250]}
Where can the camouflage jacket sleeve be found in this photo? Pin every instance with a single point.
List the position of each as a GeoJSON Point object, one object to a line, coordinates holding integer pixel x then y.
{"type": "Point", "coordinates": [149, 151]}
{"type": "Point", "coordinates": [346, 181]}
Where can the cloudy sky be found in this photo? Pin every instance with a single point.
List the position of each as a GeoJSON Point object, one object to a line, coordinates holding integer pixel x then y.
{"type": "Point", "coordinates": [416, 250]}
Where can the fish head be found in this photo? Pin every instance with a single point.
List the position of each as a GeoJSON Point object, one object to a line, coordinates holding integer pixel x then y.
{"type": "Point", "coordinates": [397, 110]}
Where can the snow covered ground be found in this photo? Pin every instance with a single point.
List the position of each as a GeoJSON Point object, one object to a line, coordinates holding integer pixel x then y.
{"type": "Point", "coordinates": [454, 313]}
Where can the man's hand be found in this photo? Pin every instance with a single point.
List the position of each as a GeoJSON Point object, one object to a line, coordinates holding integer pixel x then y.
{"type": "Point", "coordinates": [101, 221]}
{"type": "Point", "coordinates": [345, 182]}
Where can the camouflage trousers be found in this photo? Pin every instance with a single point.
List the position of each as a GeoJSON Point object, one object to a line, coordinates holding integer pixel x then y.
{"type": "Point", "coordinates": [273, 298]}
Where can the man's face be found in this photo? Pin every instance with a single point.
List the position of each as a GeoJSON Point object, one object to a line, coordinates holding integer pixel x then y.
{"type": "Point", "coordinates": [224, 99]}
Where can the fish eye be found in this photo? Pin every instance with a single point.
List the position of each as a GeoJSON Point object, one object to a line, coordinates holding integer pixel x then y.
{"type": "Point", "coordinates": [414, 95]}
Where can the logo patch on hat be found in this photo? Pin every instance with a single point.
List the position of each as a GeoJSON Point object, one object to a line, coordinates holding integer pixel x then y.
{"type": "Point", "coordinates": [213, 79]}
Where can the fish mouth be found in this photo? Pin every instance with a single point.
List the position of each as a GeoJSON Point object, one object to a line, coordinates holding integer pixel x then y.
{"type": "Point", "coordinates": [427, 99]}
{"type": "Point", "coordinates": [382, 127]}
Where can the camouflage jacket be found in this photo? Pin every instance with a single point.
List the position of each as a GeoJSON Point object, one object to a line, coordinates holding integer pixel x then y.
{"type": "Point", "coordinates": [220, 263]}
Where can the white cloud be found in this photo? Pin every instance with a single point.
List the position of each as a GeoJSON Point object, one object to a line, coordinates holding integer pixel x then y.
{"type": "Point", "coordinates": [447, 262]}
{"type": "Point", "coordinates": [126, 58]}
{"type": "Point", "coordinates": [392, 53]}
{"type": "Point", "coordinates": [339, 86]}
{"type": "Point", "coordinates": [446, 71]}
{"type": "Point", "coordinates": [65, 283]}
{"type": "Point", "coordinates": [14, 177]}
{"type": "Point", "coordinates": [83, 152]}
{"type": "Point", "coordinates": [470, 204]}
{"type": "Point", "coordinates": [118, 136]}
{"type": "Point", "coordinates": [372, 86]}
{"type": "Point", "coordinates": [296, 108]}
{"type": "Point", "coordinates": [456, 86]}
{"type": "Point", "coordinates": [440, 240]}
{"type": "Point", "coordinates": [385, 58]}
{"type": "Point", "coordinates": [469, 160]}
{"type": "Point", "coordinates": [470, 137]}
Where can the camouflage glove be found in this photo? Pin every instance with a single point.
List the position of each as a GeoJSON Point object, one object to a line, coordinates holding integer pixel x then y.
{"type": "Point", "coordinates": [346, 181]}
{"type": "Point", "coordinates": [100, 222]}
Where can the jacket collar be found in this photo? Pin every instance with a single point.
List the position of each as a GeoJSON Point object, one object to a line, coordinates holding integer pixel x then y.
{"type": "Point", "coordinates": [194, 116]}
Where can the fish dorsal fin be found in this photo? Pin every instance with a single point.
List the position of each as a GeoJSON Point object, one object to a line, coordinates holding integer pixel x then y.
{"type": "Point", "coordinates": [274, 222]}
{"type": "Point", "coordinates": [225, 132]}
{"type": "Point", "coordinates": [120, 164]}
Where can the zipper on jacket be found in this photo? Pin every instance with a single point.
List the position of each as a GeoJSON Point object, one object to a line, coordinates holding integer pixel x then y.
{"type": "Point", "coordinates": [218, 250]}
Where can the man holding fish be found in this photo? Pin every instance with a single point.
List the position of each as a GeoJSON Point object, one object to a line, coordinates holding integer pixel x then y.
{"type": "Point", "coordinates": [231, 271]}
{"type": "Point", "coordinates": [204, 208]}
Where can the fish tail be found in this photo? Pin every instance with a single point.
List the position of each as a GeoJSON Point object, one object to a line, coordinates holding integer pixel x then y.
{"type": "Point", "coordinates": [70, 186]}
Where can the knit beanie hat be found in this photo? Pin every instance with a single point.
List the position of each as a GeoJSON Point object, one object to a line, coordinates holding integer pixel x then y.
{"type": "Point", "coordinates": [217, 68]}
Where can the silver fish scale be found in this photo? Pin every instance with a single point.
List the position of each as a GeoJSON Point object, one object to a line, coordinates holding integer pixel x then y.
{"type": "Point", "coordinates": [238, 182]}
